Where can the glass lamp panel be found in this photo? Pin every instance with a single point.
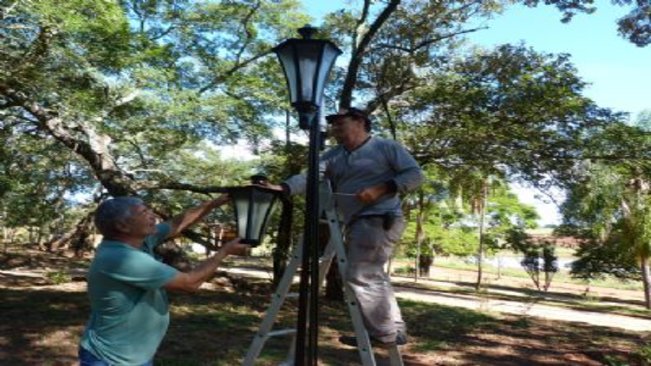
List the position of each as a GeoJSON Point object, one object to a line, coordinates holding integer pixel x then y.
{"type": "Point", "coordinates": [259, 213]}
{"type": "Point", "coordinates": [286, 53]}
{"type": "Point", "coordinates": [241, 202]}
{"type": "Point", "coordinates": [328, 57]}
{"type": "Point", "coordinates": [309, 54]}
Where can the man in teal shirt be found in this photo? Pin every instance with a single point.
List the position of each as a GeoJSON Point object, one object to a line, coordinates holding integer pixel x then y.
{"type": "Point", "coordinates": [127, 284]}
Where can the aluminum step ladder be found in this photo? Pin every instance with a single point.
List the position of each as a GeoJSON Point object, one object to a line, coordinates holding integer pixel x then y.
{"type": "Point", "coordinates": [335, 247]}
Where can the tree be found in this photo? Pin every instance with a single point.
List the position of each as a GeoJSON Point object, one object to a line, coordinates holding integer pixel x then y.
{"type": "Point", "coordinates": [610, 209]}
{"type": "Point", "coordinates": [120, 88]}
{"type": "Point", "coordinates": [427, 202]}
{"type": "Point", "coordinates": [504, 112]}
{"type": "Point", "coordinates": [123, 87]}
{"type": "Point", "coordinates": [542, 260]}
{"type": "Point", "coordinates": [539, 257]}
{"type": "Point", "coordinates": [495, 211]}
{"type": "Point", "coordinates": [475, 109]}
{"type": "Point", "coordinates": [452, 220]}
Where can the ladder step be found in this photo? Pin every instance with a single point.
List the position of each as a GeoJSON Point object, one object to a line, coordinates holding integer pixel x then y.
{"type": "Point", "coordinates": [281, 332]}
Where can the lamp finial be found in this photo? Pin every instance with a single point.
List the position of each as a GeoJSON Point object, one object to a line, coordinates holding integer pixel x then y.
{"type": "Point", "coordinates": [307, 31]}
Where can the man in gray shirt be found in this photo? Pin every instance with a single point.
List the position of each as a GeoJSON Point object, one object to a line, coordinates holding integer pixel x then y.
{"type": "Point", "coordinates": [367, 174]}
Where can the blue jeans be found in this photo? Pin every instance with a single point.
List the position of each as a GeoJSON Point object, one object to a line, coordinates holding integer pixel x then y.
{"type": "Point", "coordinates": [88, 359]}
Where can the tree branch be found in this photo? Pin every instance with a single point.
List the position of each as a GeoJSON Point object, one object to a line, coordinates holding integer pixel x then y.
{"type": "Point", "coordinates": [359, 25]}
{"type": "Point", "coordinates": [177, 186]}
{"type": "Point", "coordinates": [249, 36]}
{"type": "Point", "coordinates": [94, 151]}
{"type": "Point", "coordinates": [359, 51]}
{"type": "Point", "coordinates": [220, 78]}
{"type": "Point", "coordinates": [426, 42]}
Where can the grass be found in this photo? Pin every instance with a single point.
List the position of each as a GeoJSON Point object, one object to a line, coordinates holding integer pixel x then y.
{"type": "Point", "coordinates": [215, 327]}
{"type": "Point", "coordinates": [41, 322]}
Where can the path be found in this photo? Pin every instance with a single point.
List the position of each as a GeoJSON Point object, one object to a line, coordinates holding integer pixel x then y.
{"type": "Point", "coordinates": [405, 291]}
{"type": "Point", "coordinates": [523, 308]}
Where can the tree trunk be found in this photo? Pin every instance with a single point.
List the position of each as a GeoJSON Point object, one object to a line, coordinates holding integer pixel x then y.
{"type": "Point", "coordinates": [39, 237]}
{"type": "Point", "coordinates": [646, 280]}
{"type": "Point", "coordinates": [480, 252]}
{"type": "Point", "coordinates": [424, 265]}
{"type": "Point", "coordinates": [89, 144]}
{"type": "Point", "coordinates": [420, 233]}
{"type": "Point", "coordinates": [172, 255]}
{"type": "Point", "coordinates": [284, 241]}
{"type": "Point", "coordinates": [30, 234]}
{"type": "Point", "coordinates": [364, 35]}
{"type": "Point", "coordinates": [59, 242]}
{"type": "Point", "coordinates": [5, 239]}
{"type": "Point", "coordinates": [80, 242]}
{"type": "Point", "coordinates": [9, 237]}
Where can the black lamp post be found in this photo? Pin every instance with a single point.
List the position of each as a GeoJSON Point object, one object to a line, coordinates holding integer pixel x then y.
{"type": "Point", "coordinates": [307, 63]}
{"type": "Point", "coordinates": [253, 206]}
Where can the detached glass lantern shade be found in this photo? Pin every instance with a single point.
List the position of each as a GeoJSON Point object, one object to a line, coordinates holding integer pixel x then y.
{"type": "Point", "coordinates": [306, 63]}
{"type": "Point", "coordinates": [253, 207]}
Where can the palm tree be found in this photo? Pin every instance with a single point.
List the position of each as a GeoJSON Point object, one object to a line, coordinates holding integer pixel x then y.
{"type": "Point", "coordinates": [611, 210]}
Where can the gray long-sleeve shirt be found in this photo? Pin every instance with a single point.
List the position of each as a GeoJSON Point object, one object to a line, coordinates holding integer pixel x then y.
{"type": "Point", "coordinates": [376, 161]}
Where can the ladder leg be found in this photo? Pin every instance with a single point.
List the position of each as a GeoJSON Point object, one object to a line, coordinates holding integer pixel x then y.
{"type": "Point", "coordinates": [325, 262]}
{"type": "Point", "coordinates": [363, 341]}
{"type": "Point", "coordinates": [289, 361]}
{"type": "Point", "coordinates": [395, 358]}
{"type": "Point", "coordinates": [272, 312]}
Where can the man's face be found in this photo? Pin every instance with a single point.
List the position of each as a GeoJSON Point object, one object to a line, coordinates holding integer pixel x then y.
{"type": "Point", "coordinates": [142, 221]}
{"type": "Point", "coordinates": [345, 127]}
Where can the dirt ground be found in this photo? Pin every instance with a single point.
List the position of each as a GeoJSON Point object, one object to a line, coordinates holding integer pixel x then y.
{"type": "Point", "coordinates": [44, 308]}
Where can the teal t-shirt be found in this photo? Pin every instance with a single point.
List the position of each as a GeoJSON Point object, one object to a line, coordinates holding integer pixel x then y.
{"type": "Point", "coordinates": [129, 308]}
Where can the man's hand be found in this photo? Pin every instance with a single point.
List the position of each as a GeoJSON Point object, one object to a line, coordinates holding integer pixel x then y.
{"type": "Point", "coordinates": [191, 281]}
{"type": "Point", "coordinates": [234, 247]}
{"type": "Point", "coordinates": [372, 194]}
{"type": "Point", "coordinates": [267, 185]}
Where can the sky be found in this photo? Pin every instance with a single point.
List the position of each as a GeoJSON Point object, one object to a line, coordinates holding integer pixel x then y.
{"type": "Point", "coordinates": [618, 72]}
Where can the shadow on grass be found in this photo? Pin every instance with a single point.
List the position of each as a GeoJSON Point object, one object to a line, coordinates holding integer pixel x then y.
{"type": "Point", "coordinates": [468, 337]}
{"type": "Point", "coordinates": [41, 327]}
{"type": "Point", "coordinates": [437, 325]}
{"type": "Point", "coordinates": [530, 341]}
{"type": "Point", "coordinates": [216, 327]}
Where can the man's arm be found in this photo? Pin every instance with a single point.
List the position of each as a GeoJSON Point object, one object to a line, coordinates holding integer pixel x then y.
{"type": "Point", "coordinates": [191, 281]}
{"type": "Point", "coordinates": [408, 175]}
{"type": "Point", "coordinates": [191, 216]}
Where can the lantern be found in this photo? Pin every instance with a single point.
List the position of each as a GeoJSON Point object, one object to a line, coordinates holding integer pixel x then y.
{"type": "Point", "coordinates": [253, 206]}
{"type": "Point", "coordinates": [306, 63]}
